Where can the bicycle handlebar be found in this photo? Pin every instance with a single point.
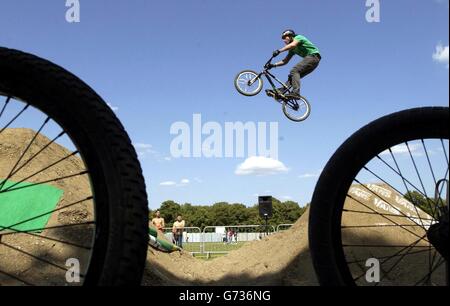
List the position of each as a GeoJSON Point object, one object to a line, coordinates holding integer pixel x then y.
{"type": "Point", "coordinates": [266, 66]}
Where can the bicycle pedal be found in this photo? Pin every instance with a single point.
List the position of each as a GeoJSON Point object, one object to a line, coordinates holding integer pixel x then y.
{"type": "Point", "coordinates": [270, 93]}
{"type": "Point", "coordinates": [282, 97]}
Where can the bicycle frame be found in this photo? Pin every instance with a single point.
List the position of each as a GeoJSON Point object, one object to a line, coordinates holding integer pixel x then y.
{"type": "Point", "coordinates": [250, 83]}
{"type": "Point", "coordinates": [269, 76]}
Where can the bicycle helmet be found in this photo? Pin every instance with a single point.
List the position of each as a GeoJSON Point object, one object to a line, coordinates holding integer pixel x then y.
{"type": "Point", "coordinates": [288, 32]}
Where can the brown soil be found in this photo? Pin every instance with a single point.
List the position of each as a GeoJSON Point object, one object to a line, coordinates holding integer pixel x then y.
{"type": "Point", "coordinates": [279, 259]}
{"type": "Point", "coordinates": [14, 249]}
{"type": "Point", "coordinates": [284, 258]}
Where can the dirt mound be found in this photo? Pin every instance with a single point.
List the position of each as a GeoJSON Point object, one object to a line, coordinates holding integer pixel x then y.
{"type": "Point", "coordinates": [380, 223]}
{"type": "Point", "coordinates": [284, 258]}
{"type": "Point", "coordinates": [27, 256]}
{"type": "Point", "coordinates": [279, 259]}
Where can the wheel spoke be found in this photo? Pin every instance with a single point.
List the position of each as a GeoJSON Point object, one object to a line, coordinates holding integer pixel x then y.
{"type": "Point", "coordinates": [428, 275]}
{"type": "Point", "coordinates": [16, 278]}
{"type": "Point", "coordinates": [37, 258]}
{"type": "Point", "coordinates": [385, 217]}
{"type": "Point", "coordinates": [15, 118]}
{"type": "Point", "coordinates": [397, 254]}
{"type": "Point", "coordinates": [24, 152]}
{"type": "Point", "coordinates": [65, 242]}
{"type": "Point", "coordinates": [11, 227]}
{"type": "Point", "coordinates": [387, 256]}
{"type": "Point", "coordinates": [8, 99]}
{"type": "Point", "coordinates": [13, 172]}
{"type": "Point", "coordinates": [381, 246]}
{"type": "Point", "coordinates": [377, 213]}
{"type": "Point", "coordinates": [48, 228]}
{"type": "Point", "coordinates": [9, 189]}
{"type": "Point", "coordinates": [420, 180]}
{"type": "Point", "coordinates": [379, 225]}
{"type": "Point", "coordinates": [399, 174]}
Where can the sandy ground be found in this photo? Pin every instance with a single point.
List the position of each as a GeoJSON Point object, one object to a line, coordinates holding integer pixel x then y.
{"type": "Point", "coordinates": [284, 259]}
{"type": "Point", "coordinates": [26, 256]}
{"type": "Point", "coordinates": [280, 259]}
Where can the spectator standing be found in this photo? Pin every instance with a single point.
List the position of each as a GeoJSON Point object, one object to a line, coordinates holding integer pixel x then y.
{"type": "Point", "coordinates": [177, 230]}
{"type": "Point", "coordinates": [158, 222]}
{"type": "Point", "coordinates": [230, 236]}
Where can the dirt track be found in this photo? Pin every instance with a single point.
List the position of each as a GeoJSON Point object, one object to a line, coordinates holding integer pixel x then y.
{"type": "Point", "coordinates": [279, 259]}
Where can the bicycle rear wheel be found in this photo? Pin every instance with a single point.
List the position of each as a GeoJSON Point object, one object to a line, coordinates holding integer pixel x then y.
{"type": "Point", "coordinates": [297, 110]}
{"type": "Point", "coordinates": [377, 200]}
{"type": "Point", "coordinates": [73, 205]}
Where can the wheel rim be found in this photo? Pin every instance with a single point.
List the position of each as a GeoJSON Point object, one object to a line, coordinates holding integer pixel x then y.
{"type": "Point", "coordinates": [297, 110]}
{"type": "Point", "coordinates": [242, 83]}
{"type": "Point", "coordinates": [51, 242]}
{"type": "Point", "coordinates": [387, 215]}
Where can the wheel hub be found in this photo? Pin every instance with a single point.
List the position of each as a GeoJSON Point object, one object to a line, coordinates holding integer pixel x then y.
{"type": "Point", "coordinates": [438, 236]}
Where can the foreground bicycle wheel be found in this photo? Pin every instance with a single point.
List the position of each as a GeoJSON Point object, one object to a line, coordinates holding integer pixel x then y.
{"type": "Point", "coordinates": [379, 213]}
{"type": "Point", "coordinates": [73, 205]}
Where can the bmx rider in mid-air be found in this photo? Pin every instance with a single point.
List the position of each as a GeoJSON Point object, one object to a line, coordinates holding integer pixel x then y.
{"type": "Point", "coordinates": [300, 45]}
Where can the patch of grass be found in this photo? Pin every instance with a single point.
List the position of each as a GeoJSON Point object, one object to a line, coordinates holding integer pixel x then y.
{"type": "Point", "coordinates": [211, 247]}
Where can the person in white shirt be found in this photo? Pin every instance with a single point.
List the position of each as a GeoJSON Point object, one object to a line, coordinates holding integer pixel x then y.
{"type": "Point", "coordinates": [177, 230]}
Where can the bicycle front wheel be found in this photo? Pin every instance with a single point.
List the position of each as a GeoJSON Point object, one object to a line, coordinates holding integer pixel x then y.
{"type": "Point", "coordinates": [248, 83]}
{"type": "Point", "coordinates": [73, 205]}
{"type": "Point", "coordinates": [379, 213]}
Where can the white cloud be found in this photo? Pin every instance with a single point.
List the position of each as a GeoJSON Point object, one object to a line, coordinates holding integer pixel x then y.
{"type": "Point", "coordinates": [265, 193]}
{"type": "Point", "coordinates": [310, 175]}
{"type": "Point", "coordinates": [182, 183]}
{"type": "Point", "coordinates": [259, 165]}
{"type": "Point", "coordinates": [144, 146]}
{"type": "Point", "coordinates": [144, 149]}
{"type": "Point", "coordinates": [168, 183]}
{"type": "Point", "coordinates": [114, 108]}
{"type": "Point", "coordinates": [403, 149]}
{"type": "Point", "coordinates": [441, 54]}
{"type": "Point", "coordinates": [286, 197]}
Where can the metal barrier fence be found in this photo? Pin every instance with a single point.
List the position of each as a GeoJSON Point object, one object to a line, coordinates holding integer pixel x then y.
{"type": "Point", "coordinates": [192, 239]}
{"type": "Point", "coordinates": [215, 240]}
{"type": "Point", "coordinates": [223, 239]}
{"type": "Point", "coordinates": [283, 227]}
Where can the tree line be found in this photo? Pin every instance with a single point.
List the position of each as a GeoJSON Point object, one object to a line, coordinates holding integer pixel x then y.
{"type": "Point", "coordinates": [224, 213]}
{"type": "Point", "coordinates": [427, 204]}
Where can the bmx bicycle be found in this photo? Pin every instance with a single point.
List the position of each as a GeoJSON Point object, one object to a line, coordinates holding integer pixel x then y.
{"type": "Point", "coordinates": [60, 142]}
{"type": "Point", "coordinates": [250, 83]}
{"type": "Point", "coordinates": [382, 202]}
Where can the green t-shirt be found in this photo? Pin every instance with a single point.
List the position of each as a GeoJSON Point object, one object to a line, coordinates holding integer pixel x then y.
{"type": "Point", "coordinates": [305, 47]}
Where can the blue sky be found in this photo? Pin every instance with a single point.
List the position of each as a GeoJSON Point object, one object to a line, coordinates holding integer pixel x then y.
{"type": "Point", "coordinates": [159, 62]}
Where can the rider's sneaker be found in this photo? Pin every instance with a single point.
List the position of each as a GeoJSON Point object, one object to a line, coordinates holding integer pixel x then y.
{"type": "Point", "coordinates": [293, 95]}
{"type": "Point", "coordinates": [281, 90]}
{"type": "Point", "coordinates": [270, 93]}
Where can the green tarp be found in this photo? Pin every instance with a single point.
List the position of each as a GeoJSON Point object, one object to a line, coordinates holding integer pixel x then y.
{"type": "Point", "coordinates": [26, 202]}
